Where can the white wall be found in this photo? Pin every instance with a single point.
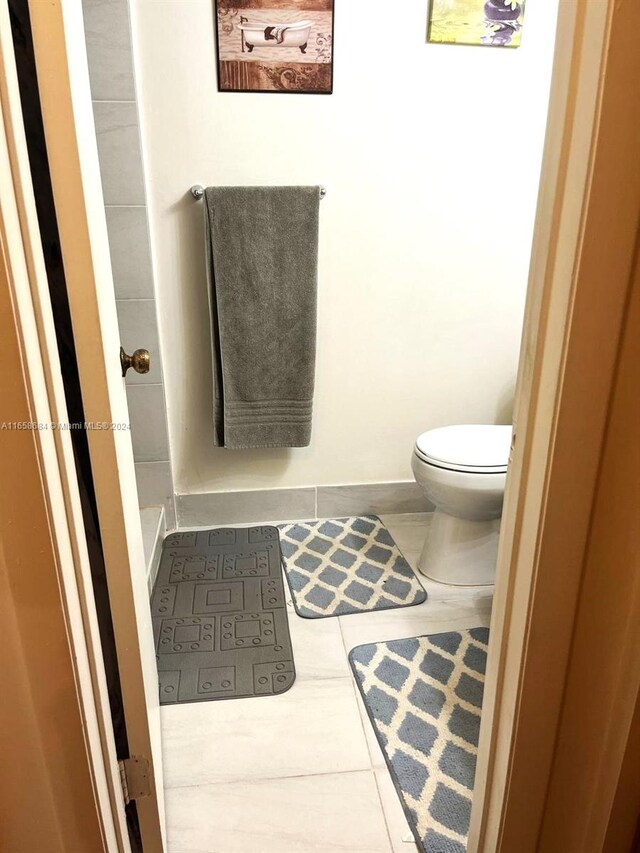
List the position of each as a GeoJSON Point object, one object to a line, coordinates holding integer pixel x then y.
{"type": "Point", "coordinates": [430, 155]}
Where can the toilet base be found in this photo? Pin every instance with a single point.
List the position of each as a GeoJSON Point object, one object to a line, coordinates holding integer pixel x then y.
{"type": "Point", "coordinates": [460, 552]}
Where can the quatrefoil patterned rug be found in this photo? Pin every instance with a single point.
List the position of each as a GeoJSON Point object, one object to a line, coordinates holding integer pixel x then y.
{"type": "Point", "coordinates": [346, 565]}
{"type": "Point", "coordinates": [424, 699]}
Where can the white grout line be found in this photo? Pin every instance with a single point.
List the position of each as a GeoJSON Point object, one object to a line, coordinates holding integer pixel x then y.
{"type": "Point", "coordinates": [384, 814]}
{"type": "Point", "coordinates": [174, 504]}
{"type": "Point", "coordinates": [344, 644]}
{"type": "Point", "coordinates": [357, 698]}
{"type": "Point", "coordinates": [113, 101]}
{"type": "Point", "coordinates": [139, 206]}
{"type": "Point", "coordinates": [260, 779]}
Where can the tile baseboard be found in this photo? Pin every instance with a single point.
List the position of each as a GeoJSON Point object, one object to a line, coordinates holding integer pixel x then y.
{"type": "Point", "coordinates": [260, 505]}
{"type": "Point", "coordinates": [153, 533]}
{"type": "Point", "coordinates": [155, 488]}
{"type": "Point", "coordinates": [371, 499]}
{"type": "Point", "coordinates": [211, 508]}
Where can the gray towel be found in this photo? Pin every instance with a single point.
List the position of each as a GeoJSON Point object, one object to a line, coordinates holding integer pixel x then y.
{"type": "Point", "coordinates": [262, 258]}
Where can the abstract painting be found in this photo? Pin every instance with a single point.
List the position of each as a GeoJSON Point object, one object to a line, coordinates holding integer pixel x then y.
{"type": "Point", "coordinates": [497, 23]}
{"type": "Point", "coordinates": [275, 46]}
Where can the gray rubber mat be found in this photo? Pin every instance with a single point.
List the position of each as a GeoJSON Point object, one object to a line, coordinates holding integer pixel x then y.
{"type": "Point", "coordinates": [219, 616]}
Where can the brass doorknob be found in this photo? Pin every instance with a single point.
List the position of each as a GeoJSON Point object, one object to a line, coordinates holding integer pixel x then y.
{"type": "Point", "coordinates": [140, 361]}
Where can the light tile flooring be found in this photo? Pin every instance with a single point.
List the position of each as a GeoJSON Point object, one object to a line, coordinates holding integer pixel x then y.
{"type": "Point", "coordinates": [302, 771]}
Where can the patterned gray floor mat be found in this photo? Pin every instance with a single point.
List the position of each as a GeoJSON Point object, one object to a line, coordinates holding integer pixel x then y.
{"type": "Point", "coordinates": [346, 565]}
{"type": "Point", "coordinates": [219, 616]}
{"type": "Point", "coordinates": [424, 699]}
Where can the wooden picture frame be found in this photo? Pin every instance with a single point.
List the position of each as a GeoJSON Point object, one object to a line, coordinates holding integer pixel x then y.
{"type": "Point", "coordinates": [276, 46]}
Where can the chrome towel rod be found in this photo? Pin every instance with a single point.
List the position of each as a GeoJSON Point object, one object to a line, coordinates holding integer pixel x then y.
{"type": "Point", "coordinates": [197, 192]}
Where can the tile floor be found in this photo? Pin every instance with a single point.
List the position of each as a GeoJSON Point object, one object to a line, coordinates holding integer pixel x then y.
{"type": "Point", "coordinates": [303, 772]}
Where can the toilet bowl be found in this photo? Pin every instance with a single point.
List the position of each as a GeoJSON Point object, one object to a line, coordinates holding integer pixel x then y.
{"type": "Point", "coordinates": [462, 471]}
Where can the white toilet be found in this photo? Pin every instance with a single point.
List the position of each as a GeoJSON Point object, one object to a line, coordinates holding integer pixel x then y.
{"type": "Point", "coordinates": [462, 470]}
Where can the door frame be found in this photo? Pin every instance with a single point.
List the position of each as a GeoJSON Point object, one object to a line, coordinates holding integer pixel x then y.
{"type": "Point", "coordinates": [59, 46]}
{"type": "Point", "coordinates": [583, 256]}
{"type": "Point", "coordinates": [63, 87]}
{"type": "Point", "coordinates": [88, 796]}
{"type": "Point", "coordinates": [51, 743]}
{"type": "Point", "coordinates": [561, 409]}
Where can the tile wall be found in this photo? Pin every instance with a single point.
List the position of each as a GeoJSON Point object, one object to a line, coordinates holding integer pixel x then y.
{"type": "Point", "coordinates": [113, 91]}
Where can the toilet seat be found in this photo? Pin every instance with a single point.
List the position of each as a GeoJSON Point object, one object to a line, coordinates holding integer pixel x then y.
{"type": "Point", "coordinates": [470, 448]}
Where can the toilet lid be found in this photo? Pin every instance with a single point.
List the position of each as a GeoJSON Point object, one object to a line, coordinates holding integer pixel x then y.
{"type": "Point", "coordinates": [477, 448]}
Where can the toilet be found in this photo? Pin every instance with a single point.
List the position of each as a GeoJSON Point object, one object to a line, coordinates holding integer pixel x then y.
{"type": "Point", "coordinates": [462, 470]}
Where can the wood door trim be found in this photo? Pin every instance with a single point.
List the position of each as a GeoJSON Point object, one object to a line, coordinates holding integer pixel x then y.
{"type": "Point", "coordinates": [63, 82]}
{"type": "Point", "coordinates": [52, 746]}
{"type": "Point", "coordinates": [583, 254]}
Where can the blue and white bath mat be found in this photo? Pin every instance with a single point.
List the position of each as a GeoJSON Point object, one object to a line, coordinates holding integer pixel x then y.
{"type": "Point", "coordinates": [424, 698]}
{"type": "Point", "coordinates": [346, 565]}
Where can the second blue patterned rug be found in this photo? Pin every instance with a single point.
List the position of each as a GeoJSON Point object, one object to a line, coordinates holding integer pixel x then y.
{"type": "Point", "coordinates": [346, 565]}
{"type": "Point", "coordinates": [424, 699]}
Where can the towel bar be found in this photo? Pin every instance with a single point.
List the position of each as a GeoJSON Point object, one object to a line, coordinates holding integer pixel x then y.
{"type": "Point", "coordinates": [197, 192]}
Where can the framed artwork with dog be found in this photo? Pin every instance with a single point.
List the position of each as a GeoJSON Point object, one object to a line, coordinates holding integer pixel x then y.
{"type": "Point", "coordinates": [275, 46]}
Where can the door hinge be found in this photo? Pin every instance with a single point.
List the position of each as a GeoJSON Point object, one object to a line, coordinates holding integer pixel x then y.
{"type": "Point", "coordinates": [134, 776]}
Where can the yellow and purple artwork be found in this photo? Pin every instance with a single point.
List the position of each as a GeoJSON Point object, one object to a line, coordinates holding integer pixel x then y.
{"type": "Point", "coordinates": [495, 23]}
{"type": "Point", "coordinates": [275, 46]}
